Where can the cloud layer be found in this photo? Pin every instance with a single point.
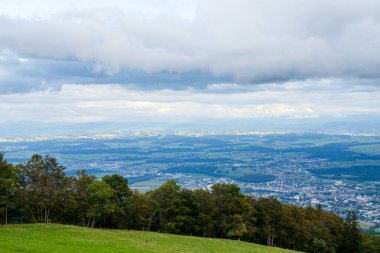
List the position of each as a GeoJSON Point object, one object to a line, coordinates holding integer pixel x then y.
{"type": "Point", "coordinates": [111, 103]}
{"type": "Point", "coordinates": [188, 61]}
{"type": "Point", "coordinates": [247, 41]}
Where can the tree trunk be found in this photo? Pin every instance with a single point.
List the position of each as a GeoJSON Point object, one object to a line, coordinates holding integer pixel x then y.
{"type": "Point", "coordinates": [48, 215]}
{"type": "Point", "coordinates": [150, 220]}
{"type": "Point", "coordinates": [6, 214]}
{"type": "Point", "coordinates": [45, 215]}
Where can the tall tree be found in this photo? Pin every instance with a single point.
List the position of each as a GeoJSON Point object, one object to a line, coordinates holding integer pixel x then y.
{"type": "Point", "coordinates": [121, 197]}
{"type": "Point", "coordinates": [268, 219]}
{"type": "Point", "coordinates": [203, 201]}
{"type": "Point", "coordinates": [45, 182]}
{"type": "Point", "coordinates": [138, 211]}
{"type": "Point", "coordinates": [101, 205]}
{"type": "Point", "coordinates": [228, 210]}
{"type": "Point", "coordinates": [164, 202]}
{"type": "Point", "coordinates": [7, 186]}
{"type": "Point", "coordinates": [352, 239]}
{"type": "Point", "coordinates": [80, 199]}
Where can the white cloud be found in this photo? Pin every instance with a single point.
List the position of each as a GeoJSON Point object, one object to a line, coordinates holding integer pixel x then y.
{"type": "Point", "coordinates": [44, 8]}
{"type": "Point", "coordinates": [112, 103]}
{"type": "Point", "coordinates": [252, 40]}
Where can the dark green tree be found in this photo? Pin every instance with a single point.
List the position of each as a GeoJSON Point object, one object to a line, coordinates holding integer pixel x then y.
{"type": "Point", "coordinates": [44, 182]}
{"type": "Point", "coordinates": [352, 239]}
{"type": "Point", "coordinates": [121, 197]}
{"type": "Point", "coordinates": [164, 204]}
{"type": "Point", "coordinates": [138, 211]}
{"type": "Point", "coordinates": [228, 210]}
{"type": "Point", "coordinates": [80, 199]}
{"type": "Point", "coordinates": [371, 243]}
{"type": "Point", "coordinates": [268, 220]}
{"type": "Point", "coordinates": [203, 204]}
{"type": "Point", "coordinates": [8, 186]}
{"type": "Point", "coordinates": [101, 202]}
{"type": "Point", "coordinates": [318, 246]}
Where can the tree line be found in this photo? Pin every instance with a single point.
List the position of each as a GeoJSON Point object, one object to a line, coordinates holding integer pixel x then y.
{"type": "Point", "coordinates": [40, 191]}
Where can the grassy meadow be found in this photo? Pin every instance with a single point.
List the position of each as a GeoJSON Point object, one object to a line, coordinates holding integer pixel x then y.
{"type": "Point", "coordinates": [53, 238]}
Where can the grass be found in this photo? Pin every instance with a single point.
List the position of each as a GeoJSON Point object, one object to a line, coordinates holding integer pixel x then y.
{"type": "Point", "coordinates": [53, 238]}
{"type": "Point", "coordinates": [152, 183]}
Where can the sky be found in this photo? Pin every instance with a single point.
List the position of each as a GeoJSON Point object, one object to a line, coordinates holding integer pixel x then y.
{"type": "Point", "coordinates": [187, 63]}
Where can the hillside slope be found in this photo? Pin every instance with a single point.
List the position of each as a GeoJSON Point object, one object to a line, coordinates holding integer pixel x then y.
{"type": "Point", "coordinates": [55, 238]}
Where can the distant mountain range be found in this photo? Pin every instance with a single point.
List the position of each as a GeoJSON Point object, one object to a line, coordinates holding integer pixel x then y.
{"type": "Point", "coordinates": [38, 130]}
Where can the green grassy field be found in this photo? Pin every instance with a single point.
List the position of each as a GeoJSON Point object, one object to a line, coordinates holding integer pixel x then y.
{"type": "Point", "coordinates": [55, 238]}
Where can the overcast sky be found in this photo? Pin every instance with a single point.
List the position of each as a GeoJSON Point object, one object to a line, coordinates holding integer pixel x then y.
{"type": "Point", "coordinates": [188, 61]}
